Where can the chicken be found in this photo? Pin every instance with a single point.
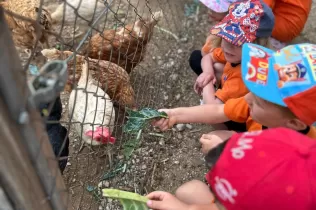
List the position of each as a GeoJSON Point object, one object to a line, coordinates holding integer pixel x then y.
{"type": "Point", "coordinates": [91, 110]}
{"type": "Point", "coordinates": [125, 47]}
{"type": "Point", "coordinates": [112, 78]}
{"type": "Point", "coordinates": [23, 32]}
{"type": "Point", "coordinates": [87, 12]}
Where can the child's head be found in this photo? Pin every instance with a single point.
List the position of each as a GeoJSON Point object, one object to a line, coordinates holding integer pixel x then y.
{"type": "Point", "coordinates": [249, 21]}
{"type": "Point", "coordinates": [252, 173]}
{"type": "Point", "coordinates": [282, 85]}
{"type": "Point", "coordinates": [218, 9]}
{"type": "Point", "coordinates": [272, 115]}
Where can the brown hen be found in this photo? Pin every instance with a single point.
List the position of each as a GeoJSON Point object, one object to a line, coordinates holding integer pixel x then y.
{"type": "Point", "coordinates": [109, 76]}
{"type": "Point", "coordinates": [126, 46]}
{"type": "Point", "coordinates": [23, 32]}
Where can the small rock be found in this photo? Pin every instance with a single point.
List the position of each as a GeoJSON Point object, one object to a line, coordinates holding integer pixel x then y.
{"type": "Point", "coordinates": [179, 136]}
{"type": "Point", "coordinates": [176, 162]}
{"type": "Point", "coordinates": [104, 184]}
{"type": "Point", "coordinates": [180, 127]}
{"type": "Point", "coordinates": [137, 160]}
{"type": "Point", "coordinates": [180, 51]}
{"type": "Point", "coordinates": [178, 96]}
{"type": "Point", "coordinates": [74, 180]}
{"type": "Point", "coordinates": [184, 39]}
{"type": "Point", "coordinates": [120, 157]}
{"type": "Point", "coordinates": [160, 62]}
{"type": "Point", "coordinates": [174, 77]}
{"type": "Point", "coordinates": [68, 164]}
{"type": "Point", "coordinates": [144, 167]}
{"type": "Point", "coordinates": [166, 97]}
{"type": "Point", "coordinates": [162, 142]}
{"type": "Point", "coordinates": [170, 64]}
{"type": "Point", "coordinates": [189, 126]}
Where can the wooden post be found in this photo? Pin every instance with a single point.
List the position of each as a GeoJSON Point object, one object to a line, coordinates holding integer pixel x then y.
{"type": "Point", "coordinates": [18, 177]}
{"type": "Point", "coordinates": [29, 172]}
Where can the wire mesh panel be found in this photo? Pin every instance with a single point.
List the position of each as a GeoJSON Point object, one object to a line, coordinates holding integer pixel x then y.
{"type": "Point", "coordinates": [120, 55]}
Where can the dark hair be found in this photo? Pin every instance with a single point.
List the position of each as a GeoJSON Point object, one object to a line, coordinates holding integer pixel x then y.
{"type": "Point", "coordinates": [214, 154]}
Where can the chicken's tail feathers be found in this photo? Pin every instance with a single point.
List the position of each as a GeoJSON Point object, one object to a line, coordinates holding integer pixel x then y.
{"type": "Point", "coordinates": [45, 18]}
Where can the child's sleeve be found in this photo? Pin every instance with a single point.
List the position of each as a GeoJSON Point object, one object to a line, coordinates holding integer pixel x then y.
{"type": "Point", "coordinates": [253, 125]}
{"type": "Point", "coordinates": [218, 55]}
{"type": "Point", "coordinates": [233, 87]}
{"type": "Point", "coordinates": [290, 18]}
{"type": "Point", "coordinates": [237, 110]}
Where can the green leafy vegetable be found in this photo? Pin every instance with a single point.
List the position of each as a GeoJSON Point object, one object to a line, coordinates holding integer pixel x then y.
{"type": "Point", "coordinates": [130, 145]}
{"type": "Point", "coordinates": [137, 120]}
{"type": "Point", "coordinates": [129, 201]}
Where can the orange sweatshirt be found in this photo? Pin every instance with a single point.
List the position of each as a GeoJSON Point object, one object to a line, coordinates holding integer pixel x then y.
{"type": "Point", "coordinates": [232, 85]}
{"type": "Point", "coordinates": [290, 17]}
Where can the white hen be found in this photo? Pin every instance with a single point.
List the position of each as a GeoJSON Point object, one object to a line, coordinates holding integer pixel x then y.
{"type": "Point", "coordinates": [87, 12]}
{"type": "Point", "coordinates": [93, 113]}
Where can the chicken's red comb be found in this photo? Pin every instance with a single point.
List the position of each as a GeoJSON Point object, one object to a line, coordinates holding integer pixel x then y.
{"type": "Point", "coordinates": [102, 135]}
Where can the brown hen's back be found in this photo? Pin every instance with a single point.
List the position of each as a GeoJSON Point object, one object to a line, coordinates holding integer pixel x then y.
{"type": "Point", "coordinates": [113, 79]}
{"type": "Point", "coordinates": [125, 47]}
{"type": "Point", "coordinates": [23, 32]}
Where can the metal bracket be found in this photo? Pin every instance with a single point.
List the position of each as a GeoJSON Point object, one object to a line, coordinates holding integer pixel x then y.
{"type": "Point", "coordinates": [45, 87]}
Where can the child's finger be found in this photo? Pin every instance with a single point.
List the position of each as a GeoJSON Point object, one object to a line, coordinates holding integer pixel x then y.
{"type": "Point", "coordinates": [156, 195]}
{"type": "Point", "coordinates": [214, 81]}
{"type": "Point", "coordinates": [158, 123]}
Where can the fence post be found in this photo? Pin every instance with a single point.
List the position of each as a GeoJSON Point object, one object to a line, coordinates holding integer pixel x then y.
{"type": "Point", "coordinates": [29, 173]}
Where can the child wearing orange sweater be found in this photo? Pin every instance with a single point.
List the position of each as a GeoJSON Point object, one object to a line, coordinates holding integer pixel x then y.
{"type": "Point", "coordinates": [247, 21]}
{"type": "Point", "coordinates": [290, 18]}
{"type": "Point", "coordinates": [282, 91]}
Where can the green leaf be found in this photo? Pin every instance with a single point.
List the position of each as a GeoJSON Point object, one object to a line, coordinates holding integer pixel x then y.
{"type": "Point", "coordinates": [137, 120]}
{"type": "Point", "coordinates": [131, 145]}
{"type": "Point", "coordinates": [129, 201]}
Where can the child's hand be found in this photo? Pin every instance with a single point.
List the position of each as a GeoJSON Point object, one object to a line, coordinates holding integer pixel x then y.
{"type": "Point", "coordinates": [165, 201]}
{"type": "Point", "coordinates": [204, 79]}
{"type": "Point", "coordinates": [164, 124]}
{"type": "Point", "coordinates": [214, 138]}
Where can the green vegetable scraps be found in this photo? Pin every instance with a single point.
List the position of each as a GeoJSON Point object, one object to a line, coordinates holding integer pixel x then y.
{"type": "Point", "coordinates": [137, 120]}
{"type": "Point", "coordinates": [129, 201]}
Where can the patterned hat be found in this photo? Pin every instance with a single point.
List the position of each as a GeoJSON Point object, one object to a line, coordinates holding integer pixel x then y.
{"type": "Point", "coordinates": [245, 21]}
{"type": "Point", "coordinates": [286, 77]}
{"type": "Point", "coordinates": [219, 6]}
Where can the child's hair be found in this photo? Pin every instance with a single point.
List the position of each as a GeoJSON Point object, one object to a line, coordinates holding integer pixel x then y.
{"type": "Point", "coordinates": [212, 42]}
{"type": "Point", "coordinates": [264, 42]}
{"type": "Point", "coordinates": [214, 154]}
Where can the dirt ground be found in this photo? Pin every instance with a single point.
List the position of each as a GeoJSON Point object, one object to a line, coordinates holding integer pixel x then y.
{"type": "Point", "coordinates": [163, 80]}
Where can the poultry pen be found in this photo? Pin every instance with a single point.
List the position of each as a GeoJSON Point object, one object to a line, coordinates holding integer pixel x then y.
{"type": "Point", "coordinates": [111, 55]}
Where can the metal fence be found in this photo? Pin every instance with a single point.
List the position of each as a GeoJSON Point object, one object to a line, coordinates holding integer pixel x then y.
{"type": "Point", "coordinates": [53, 117]}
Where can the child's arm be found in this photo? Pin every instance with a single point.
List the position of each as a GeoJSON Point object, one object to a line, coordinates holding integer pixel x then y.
{"type": "Point", "coordinates": [209, 95]}
{"type": "Point", "coordinates": [208, 114]}
{"type": "Point", "coordinates": [207, 63]}
{"type": "Point", "coordinates": [207, 76]}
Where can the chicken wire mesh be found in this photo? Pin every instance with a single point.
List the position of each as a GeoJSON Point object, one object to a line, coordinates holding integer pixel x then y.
{"type": "Point", "coordinates": [120, 54]}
